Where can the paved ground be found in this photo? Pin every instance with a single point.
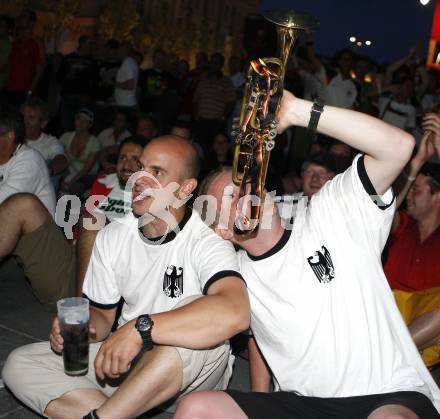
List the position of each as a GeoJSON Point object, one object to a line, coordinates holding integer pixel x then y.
{"type": "Point", "coordinates": [23, 320]}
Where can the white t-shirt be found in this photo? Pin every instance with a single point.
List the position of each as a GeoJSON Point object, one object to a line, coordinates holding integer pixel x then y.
{"type": "Point", "coordinates": [340, 92]}
{"type": "Point", "coordinates": [402, 115]}
{"type": "Point", "coordinates": [27, 171]}
{"type": "Point", "coordinates": [323, 314]}
{"type": "Point", "coordinates": [128, 70]}
{"type": "Point", "coordinates": [116, 203]}
{"type": "Point", "coordinates": [238, 79]}
{"type": "Point", "coordinates": [153, 278]}
{"type": "Point", "coordinates": [48, 146]}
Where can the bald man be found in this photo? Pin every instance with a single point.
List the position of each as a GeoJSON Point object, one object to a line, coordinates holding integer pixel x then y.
{"type": "Point", "coordinates": [182, 294]}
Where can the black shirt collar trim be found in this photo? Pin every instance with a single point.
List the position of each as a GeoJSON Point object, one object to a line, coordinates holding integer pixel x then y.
{"type": "Point", "coordinates": [278, 246]}
{"type": "Point", "coordinates": [169, 236]}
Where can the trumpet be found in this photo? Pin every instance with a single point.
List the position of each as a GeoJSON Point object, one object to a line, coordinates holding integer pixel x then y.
{"type": "Point", "coordinates": [255, 133]}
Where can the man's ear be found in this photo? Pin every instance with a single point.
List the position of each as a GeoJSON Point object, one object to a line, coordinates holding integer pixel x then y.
{"type": "Point", "coordinates": [436, 196]}
{"type": "Point", "coordinates": [187, 188]}
{"type": "Point", "coordinates": [10, 135]}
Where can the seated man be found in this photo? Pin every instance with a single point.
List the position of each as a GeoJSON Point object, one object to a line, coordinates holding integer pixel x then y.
{"type": "Point", "coordinates": [412, 265]}
{"type": "Point", "coordinates": [22, 169]}
{"type": "Point", "coordinates": [110, 138]}
{"type": "Point", "coordinates": [36, 117]}
{"type": "Point", "coordinates": [328, 333]}
{"type": "Point", "coordinates": [174, 273]}
{"type": "Point", "coordinates": [30, 233]}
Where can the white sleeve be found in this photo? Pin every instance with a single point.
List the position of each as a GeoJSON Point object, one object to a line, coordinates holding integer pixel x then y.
{"type": "Point", "coordinates": [100, 285]}
{"type": "Point", "coordinates": [24, 175]}
{"type": "Point", "coordinates": [128, 71]}
{"type": "Point", "coordinates": [55, 148]}
{"type": "Point", "coordinates": [216, 259]}
{"type": "Point", "coordinates": [350, 202]}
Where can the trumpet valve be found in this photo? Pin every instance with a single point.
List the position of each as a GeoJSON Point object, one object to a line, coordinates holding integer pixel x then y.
{"type": "Point", "coordinates": [270, 144]}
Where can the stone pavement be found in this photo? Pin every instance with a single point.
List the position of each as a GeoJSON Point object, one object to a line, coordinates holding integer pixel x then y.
{"type": "Point", "coordinates": [23, 320]}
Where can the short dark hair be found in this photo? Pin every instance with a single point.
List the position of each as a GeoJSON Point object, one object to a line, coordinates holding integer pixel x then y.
{"type": "Point", "coordinates": [432, 170]}
{"type": "Point", "coordinates": [11, 119]}
{"type": "Point", "coordinates": [135, 139]}
{"type": "Point", "coordinates": [209, 179]}
{"type": "Point", "coordinates": [323, 159]}
{"type": "Point", "coordinates": [38, 104]}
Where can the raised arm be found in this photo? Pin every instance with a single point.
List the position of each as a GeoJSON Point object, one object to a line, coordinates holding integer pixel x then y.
{"type": "Point", "coordinates": [387, 148]}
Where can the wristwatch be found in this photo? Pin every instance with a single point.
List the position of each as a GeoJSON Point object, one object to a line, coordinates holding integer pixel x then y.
{"type": "Point", "coordinates": [144, 325]}
{"type": "Point", "coordinates": [315, 113]}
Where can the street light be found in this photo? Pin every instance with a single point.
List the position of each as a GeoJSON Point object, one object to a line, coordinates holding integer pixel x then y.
{"type": "Point", "coordinates": [424, 2]}
{"type": "Point", "coordinates": [359, 42]}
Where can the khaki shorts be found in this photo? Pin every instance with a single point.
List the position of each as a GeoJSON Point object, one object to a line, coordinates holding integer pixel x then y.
{"type": "Point", "coordinates": [49, 263]}
{"type": "Point", "coordinates": [36, 376]}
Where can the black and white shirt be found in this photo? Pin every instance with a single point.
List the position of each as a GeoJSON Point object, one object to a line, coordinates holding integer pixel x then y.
{"type": "Point", "coordinates": [323, 314]}
{"type": "Point", "coordinates": [154, 277]}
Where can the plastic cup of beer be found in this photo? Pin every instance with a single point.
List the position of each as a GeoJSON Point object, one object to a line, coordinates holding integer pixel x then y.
{"type": "Point", "coordinates": [73, 314]}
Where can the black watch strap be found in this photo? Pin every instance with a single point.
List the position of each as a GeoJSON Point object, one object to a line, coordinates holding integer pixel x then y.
{"type": "Point", "coordinates": [315, 114]}
{"type": "Point", "coordinates": [144, 325]}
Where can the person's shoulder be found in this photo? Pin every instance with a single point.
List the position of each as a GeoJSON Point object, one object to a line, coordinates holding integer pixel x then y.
{"type": "Point", "coordinates": [67, 136]}
{"type": "Point", "coordinates": [131, 62]}
{"type": "Point", "coordinates": [109, 180]}
{"type": "Point", "coordinates": [105, 131]}
{"type": "Point", "coordinates": [29, 154]}
{"type": "Point", "coordinates": [203, 235]}
{"type": "Point", "coordinates": [122, 226]}
{"type": "Point", "coordinates": [29, 159]}
{"type": "Point", "coordinates": [48, 139]}
{"type": "Point", "coordinates": [94, 140]}
{"type": "Point", "coordinates": [99, 186]}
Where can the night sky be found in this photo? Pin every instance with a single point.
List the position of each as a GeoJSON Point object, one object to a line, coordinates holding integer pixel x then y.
{"type": "Point", "coordinates": [394, 26]}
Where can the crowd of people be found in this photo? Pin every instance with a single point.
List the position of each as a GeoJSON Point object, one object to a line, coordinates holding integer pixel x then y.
{"type": "Point", "coordinates": [355, 215]}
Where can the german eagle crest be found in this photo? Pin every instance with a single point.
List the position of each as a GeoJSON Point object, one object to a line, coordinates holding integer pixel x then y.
{"type": "Point", "coordinates": [322, 265]}
{"type": "Point", "coordinates": [173, 282]}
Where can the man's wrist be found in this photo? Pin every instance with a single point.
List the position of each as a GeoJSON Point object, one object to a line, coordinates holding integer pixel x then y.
{"type": "Point", "coordinates": [300, 112]}
{"type": "Point", "coordinates": [411, 177]}
{"type": "Point", "coordinates": [144, 325]}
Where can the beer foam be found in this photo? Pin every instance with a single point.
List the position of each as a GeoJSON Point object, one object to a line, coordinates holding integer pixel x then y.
{"type": "Point", "coordinates": [74, 318]}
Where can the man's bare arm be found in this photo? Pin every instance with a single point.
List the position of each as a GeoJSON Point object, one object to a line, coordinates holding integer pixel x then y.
{"type": "Point", "coordinates": [206, 322]}
{"type": "Point", "coordinates": [387, 148]}
{"type": "Point", "coordinates": [258, 370]}
{"type": "Point", "coordinates": [101, 322]}
{"type": "Point", "coordinates": [84, 247]}
{"type": "Point", "coordinates": [58, 164]}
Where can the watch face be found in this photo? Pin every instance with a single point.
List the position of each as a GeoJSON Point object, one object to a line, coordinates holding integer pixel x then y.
{"type": "Point", "coordinates": [144, 324]}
